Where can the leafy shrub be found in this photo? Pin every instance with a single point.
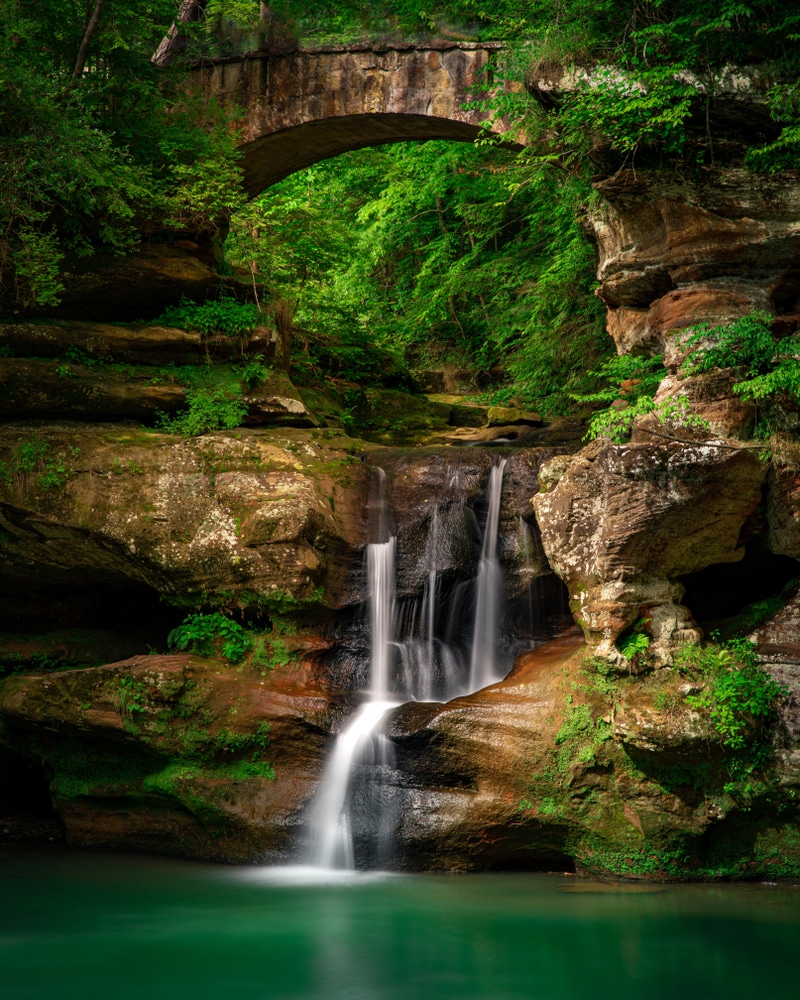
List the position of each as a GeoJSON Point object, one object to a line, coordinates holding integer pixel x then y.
{"type": "Point", "coordinates": [229, 742]}
{"type": "Point", "coordinates": [627, 387]}
{"type": "Point", "coordinates": [739, 695]}
{"type": "Point", "coordinates": [617, 424]}
{"type": "Point", "coordinates": [223, 316]}
{"type": "Point", "coordinates": [208, 409]}
{"type": "Point", "coordinates": [37, 464]}
{"type": "Point", "coordinates": [210, 635]}
{"type": "Point", "coordinates": [253, 371]}
{"type": "Point", "coordinates": [771, 368]}
{"type": "Point", "coordinates": [213, 398]}
{"type": "Point", "coordinates": [271, 653]}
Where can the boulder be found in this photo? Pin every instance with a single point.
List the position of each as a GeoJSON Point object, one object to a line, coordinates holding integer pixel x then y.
{"type": "Point", "coordinates": [623, 522]}
{"type": "Point", "coordinates": [510, 416]}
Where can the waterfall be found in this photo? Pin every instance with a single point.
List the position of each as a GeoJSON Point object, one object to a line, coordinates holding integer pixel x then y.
{"type": "Point", "coordinates": [483, 660]}
{"type": "Point", "coordinates": [432, 667]}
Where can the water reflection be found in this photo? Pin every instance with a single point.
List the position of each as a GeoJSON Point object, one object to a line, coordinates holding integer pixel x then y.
{"type": "Point", "coordinates": [94, 926]}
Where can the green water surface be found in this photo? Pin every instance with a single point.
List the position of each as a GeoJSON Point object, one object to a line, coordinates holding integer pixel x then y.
{"type": "Point", "coordinates": [117, 927]}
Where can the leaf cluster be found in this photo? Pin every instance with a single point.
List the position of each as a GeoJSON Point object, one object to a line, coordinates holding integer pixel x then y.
{"type": "Point", "coordinates": [225, 316]}
{"type": "Point", "coordinates": [211, 635]}
{"type": "Point", "coordinates": [768, 368]}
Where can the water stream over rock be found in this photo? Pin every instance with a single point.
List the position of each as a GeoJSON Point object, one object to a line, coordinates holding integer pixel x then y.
{"type": "Point", "coordinates": [416, 653]}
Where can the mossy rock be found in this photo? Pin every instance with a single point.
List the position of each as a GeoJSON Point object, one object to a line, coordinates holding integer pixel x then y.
{"type": "Point", "coordinates": [507, 416]}
{"type": "Point", "coordinates": [393, 417]}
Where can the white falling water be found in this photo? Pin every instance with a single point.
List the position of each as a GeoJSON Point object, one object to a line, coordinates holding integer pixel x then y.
{"type": "Point", "coordinates": [330, 817]}
{"type": "Point", "coordinates": [333, 847]}
{"type": "Point", "coordinates": [483, 660]}
{"type": "Point", "coordinates": [380, 573]}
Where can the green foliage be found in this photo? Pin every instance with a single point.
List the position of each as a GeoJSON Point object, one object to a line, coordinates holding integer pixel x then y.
{"type": "Point", "coordinates": [635, 644]}
{"type": "Point", "coordinates": [655, 68]}
{"type": "Point", "coordinates": [739, 695]}
{"type": "Point", "coordinates": [228, 742]}
{"type": "Point", "coordinates": [211, 635]}
{"type": "Point", "coordinates": [617, 422]}
{"type": "Point", "coordinates": [227, 317]}
{"type": "Point", "coordinates": [213, 398]}
{"type": "Point", "coordinates": [37, 264]}
{"type": "Point", "coordinates": [36, 464]}
{"type": "Point", "coordinates": [253, 371]}
{"type": "Point", "coordinates": [208, 410]}
{"type": "Point", "coordinates": [414, 256]}
{"type": "Point", "coordinates": [271, 653]}
{"type": "Point", "coordinates": [85, 159]}
{"type": "Point", "coordinates": [579, 737]}
{"type": "Point", "coordinates": [746, 344]}
{"type": "Point", "coordinates": [769, 369]}
{"type": "Point", "coordinates": [131, 695]}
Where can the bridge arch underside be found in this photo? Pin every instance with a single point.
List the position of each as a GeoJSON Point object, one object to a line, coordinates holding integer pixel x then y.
{"type": "Point", "coordinates": [272, 157]}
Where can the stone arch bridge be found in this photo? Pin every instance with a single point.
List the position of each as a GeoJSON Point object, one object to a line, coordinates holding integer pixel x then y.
{"type": "Point", "coordinates": [311, 104]}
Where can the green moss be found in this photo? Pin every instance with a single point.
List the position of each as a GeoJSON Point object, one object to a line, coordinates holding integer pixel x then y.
{"type": "Point", "coordinates": [80, 770]}
{"type": "Point", "coordinates": [737, 851]}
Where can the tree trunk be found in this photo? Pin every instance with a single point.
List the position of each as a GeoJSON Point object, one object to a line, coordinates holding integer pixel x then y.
{"type": "Point", "coordinates": [83, 51]}
{"type": "Point", "coordinates": [174, 40]}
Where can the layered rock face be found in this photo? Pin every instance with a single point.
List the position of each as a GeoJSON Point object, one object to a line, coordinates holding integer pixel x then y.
{"type": "Point", "coordinates": [674, 253]}
{"type": "Point", "coordinates": [115, 508]}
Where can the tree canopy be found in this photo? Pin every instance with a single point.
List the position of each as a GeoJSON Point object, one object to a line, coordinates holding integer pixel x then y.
{"type": "Point", "coordinates": [438, 253]}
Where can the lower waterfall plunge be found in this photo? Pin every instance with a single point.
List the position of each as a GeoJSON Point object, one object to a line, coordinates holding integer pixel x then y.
{"type": "Point", "coordinates": [431, 667]}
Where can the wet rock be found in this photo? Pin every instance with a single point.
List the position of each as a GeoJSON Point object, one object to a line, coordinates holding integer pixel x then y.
{"type": "Point", "coordinates": [539, 771]}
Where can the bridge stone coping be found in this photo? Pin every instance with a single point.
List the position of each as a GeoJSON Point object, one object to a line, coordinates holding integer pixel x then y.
{"type": "Point", "coordinates": [308, 105]}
